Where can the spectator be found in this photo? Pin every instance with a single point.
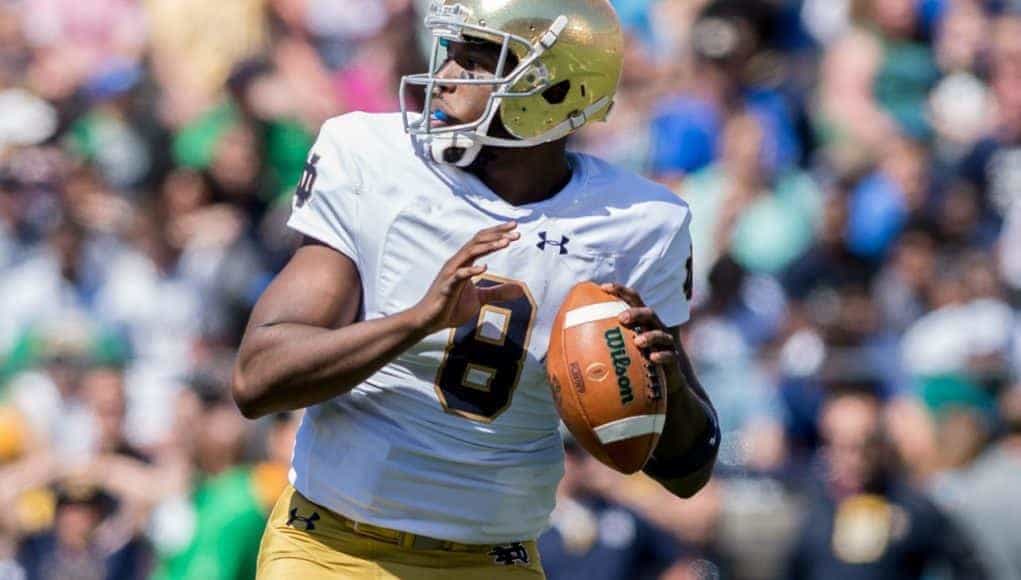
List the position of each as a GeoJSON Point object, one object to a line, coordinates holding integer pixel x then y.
{"type": "Point", "coordinates": [764, 219]}
{"type": "Point", "coordinates": [224, 515]}
{"type": "Point", "coordinates": [593, 537]}
{"type": "Point", "coordinates": [907, 68]}
{"type": "Point", "coordinates": [902, 287]}
{"type": "Point", "coordinates": [727, 38]}
{"type": "Point", "coordinates": [992, 165]}
{"type": "Point", "coordinates": [103, 391]}
{"type": "Point", "coordinates": [976, 495]}
{"type": "Point", "coordinates": [1010, 258]}
{"type": "Point", "coordinates": [888, 199]}
{"type": "Point", "coordinates": [723, 340]}
{"type": "Point", "coordinates": [866, 523]}
{"type": "Point", "coordinates": [110, 135]}
{"type": "Point", "coordinates": [83, 543]}
{"type": "Point", "coordinates": [59, 282]}
{"type": "Point", "coordinates": [968, 328]}
{"type": "Point", "coordinates": [961, 104]}
{"type": "Point", "coordinates": [52, 401]}
{"type": "Point", "coordinates": [829, 264]}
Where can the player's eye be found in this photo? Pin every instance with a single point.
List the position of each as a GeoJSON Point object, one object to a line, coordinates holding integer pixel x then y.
{"type": "Point", "coordinates": [466, 62]}
{"type": "Point", "coordinates": [473, 57]}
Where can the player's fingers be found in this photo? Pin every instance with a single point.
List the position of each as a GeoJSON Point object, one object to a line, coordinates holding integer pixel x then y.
{"type": "Point", "coordinates": [624, 293]}
{"type": "Point", "coordinates": [484, 249]}
{"type": "Point", "coordinates": [655, 340]}
{"type": "Point", "coordinates": [497, 229]}
{"type": "Point", "coordinates": [467, 272]}
{"type": "Point", "coordinates": [612, 288]}
{"type": "Point", "coordinates": [640, 316]}
{"type": "Point", "coordinates": [664, 357]}
{"type": "Point", "coordinates": [488, 235]}
{"type": "Point", "coordinates": [500, 293]}
{"type": "Point", "coordinates": [492, 237]}
{"type": "Point", "coordinates": [475, 250]}
{"type": "Point", "coordinates": [488, 247]}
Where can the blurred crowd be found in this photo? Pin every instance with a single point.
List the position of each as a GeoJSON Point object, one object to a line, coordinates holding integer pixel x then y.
{"type": "Point", "coordinates": [854, 172]}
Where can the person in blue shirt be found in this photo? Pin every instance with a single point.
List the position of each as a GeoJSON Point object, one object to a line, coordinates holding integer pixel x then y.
{"type": "Point", "coordinates": [686, 127]}
{"type": "Point", "coordinates": [593, 537]}
{"type": "Point", "coordinates": [866, 522]}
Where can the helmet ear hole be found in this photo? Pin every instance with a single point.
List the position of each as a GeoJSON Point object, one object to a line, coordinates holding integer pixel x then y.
{"type": "Point", "coordinates": [557, 93]}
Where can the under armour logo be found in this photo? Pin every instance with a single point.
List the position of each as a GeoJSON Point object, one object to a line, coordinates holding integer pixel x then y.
{"type": "Point", "coordinates": [509, 554]}
{"type": "Point", "coordinates": [308, 180]}
{"type": "Point", "coordinates": [310, 522]}
{"type": "Point", "coordinates": [562, 244]}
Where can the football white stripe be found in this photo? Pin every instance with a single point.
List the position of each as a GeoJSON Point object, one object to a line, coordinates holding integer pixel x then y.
{"type": "Point", "coordinates": [593, 312]}
{"type": "Point", "coordinates": [629, 427]}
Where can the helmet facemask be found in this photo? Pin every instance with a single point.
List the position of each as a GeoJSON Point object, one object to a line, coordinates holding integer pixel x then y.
{"type": "Point", "coordinates": [460, 144]}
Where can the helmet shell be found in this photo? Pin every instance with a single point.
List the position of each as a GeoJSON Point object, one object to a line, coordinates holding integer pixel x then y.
{"type": "Point", "coordinates": [587, 56]}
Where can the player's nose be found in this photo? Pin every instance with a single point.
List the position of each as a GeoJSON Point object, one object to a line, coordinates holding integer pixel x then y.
{"type": "Point", "coordinates": [449, 70]}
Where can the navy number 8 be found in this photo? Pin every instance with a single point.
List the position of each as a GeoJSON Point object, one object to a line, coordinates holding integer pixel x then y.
{"type": "Point", "coordinates": [484, 358]}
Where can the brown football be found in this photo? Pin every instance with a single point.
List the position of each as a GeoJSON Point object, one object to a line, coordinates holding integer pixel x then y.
{"type": "Point", "coordinates": [612, 399]}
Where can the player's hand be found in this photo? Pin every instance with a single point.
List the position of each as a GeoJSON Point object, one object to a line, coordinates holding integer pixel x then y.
{"type": "Point", "coordinates": [653, 337]}
{"type": "Point", "coordinates": [453, 299]}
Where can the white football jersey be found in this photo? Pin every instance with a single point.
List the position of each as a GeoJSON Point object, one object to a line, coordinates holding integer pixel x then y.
{"type": "Point", "coordinates": [457, 437]}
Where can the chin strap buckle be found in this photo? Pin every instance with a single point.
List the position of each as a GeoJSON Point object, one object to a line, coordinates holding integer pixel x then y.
{"type": "Point", "coordinates": [577, 120]}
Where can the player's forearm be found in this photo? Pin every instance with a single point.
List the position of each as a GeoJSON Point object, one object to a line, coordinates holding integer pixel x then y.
{"type": "Point", "coordinates": [288, 366]}
{"type": "Point", "coordinates": [684, 458]}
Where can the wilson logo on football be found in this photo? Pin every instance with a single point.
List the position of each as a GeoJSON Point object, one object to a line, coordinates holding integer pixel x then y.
{"type": "Point", "coordinates": [621, 362]}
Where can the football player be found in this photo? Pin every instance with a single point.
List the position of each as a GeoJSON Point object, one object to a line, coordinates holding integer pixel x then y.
{"type": "Point", "coordinates": [414, 320]}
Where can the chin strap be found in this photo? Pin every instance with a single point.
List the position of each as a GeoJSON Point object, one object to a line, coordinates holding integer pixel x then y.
{"type": "Point", "coordinates": [458, 149]}
{"type": "Point", "coordinates": [461, 149]}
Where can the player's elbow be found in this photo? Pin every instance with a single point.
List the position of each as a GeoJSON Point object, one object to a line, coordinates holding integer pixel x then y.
{"type": "Point", "coordinates": [688, 487]}
{"type": "Point", "coordinates": [684, 482]}
{"type": "Point", "coordinates": [247, 395]}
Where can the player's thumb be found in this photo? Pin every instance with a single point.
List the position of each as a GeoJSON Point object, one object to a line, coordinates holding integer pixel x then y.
{"type": "Point", "coordinates": [500, 293]}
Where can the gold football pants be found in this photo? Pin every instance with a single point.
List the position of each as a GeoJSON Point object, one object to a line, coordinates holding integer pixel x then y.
{"type": "Point", "coordinates": [305, 541]}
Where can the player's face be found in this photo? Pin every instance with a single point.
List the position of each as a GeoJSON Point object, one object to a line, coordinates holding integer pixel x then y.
{"type": "Point", "coordinates": [467, 60]}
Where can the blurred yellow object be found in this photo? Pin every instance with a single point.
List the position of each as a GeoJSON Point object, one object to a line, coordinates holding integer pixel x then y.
{"type": "Point", "coordinates": [195, 43]}
{"type": "Point", "coordinates": [34, 510]}
{"type": "Point", "coordinates": [13, 435]}
{"type": "Point", "coordinates": [863, 529]}
{"type": "Point", "coordinates": [268, 482]}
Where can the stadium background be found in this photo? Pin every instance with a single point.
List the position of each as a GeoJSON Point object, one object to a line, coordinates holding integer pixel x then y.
{"type": "Point", "coordinates": [854, 168]}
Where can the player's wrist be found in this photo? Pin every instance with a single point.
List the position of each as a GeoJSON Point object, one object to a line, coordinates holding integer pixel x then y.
{"type": "Point", "coordinates": [671, 461]}
{"type": "Point", "coordinates": [418, 321]}
{"type": "Point", "coordinates": [676, 382]}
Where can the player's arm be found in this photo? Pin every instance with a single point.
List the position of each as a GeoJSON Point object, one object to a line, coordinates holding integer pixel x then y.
{"type": "Point", "coordinates": [304, 346]}
{"type": "Point", "coordinates": [684, 458]}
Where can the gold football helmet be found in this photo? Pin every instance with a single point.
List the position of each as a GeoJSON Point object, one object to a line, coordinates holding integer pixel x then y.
{"type": "Point", "coordinates": [568, 53]}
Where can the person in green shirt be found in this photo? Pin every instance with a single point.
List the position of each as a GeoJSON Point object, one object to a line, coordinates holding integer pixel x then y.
{"type": "Point", "coordinates": [228, 506]}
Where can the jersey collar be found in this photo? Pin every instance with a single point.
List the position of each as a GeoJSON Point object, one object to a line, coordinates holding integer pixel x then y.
{"type": "Point", "coordinates": [474, 190]}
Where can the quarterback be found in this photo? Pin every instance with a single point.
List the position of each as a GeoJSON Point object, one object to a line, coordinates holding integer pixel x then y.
{"type": "Point", "coordinates": [414, 320]}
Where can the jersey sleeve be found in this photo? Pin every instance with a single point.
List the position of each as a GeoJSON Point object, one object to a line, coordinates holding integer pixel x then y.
{"type": "Point", "coordinates": [326, 202]}
{"type": "Point", "coordinates": [663, 279]}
